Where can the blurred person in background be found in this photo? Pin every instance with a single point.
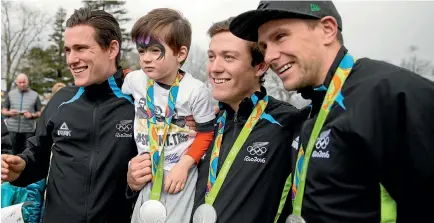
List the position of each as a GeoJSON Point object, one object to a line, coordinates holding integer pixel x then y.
{"type": "Point", "coordinates": [57, 86]}
{"type": "Point", "coordinates": [22, 107]}
{"type": "Point", "coordinates": [11, 195]}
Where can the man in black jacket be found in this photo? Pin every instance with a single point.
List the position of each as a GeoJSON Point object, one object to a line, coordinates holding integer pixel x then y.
{"type": "Point", "coordinates": [252, 189]}
{"type": "Point", "coordinates": [87, 128]}
{"type": "Point", "coordinates": [369, 157]}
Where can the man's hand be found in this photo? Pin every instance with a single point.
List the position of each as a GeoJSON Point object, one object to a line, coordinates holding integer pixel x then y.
{"type": "Point", "coordinates": [139, 172]}
{"type": "Point", "coordinates": [190, 122]}
{"type": "Point", "coordinates": [27, 115]}
{"type": "Point", "coordinates": [13, 113]}
{"type": "Point", "coordinates": [12, 166]}
{"type": "Point", "coordinates": [216, 109]}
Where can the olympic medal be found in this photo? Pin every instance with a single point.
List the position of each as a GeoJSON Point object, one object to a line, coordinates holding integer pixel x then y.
{"type": "Point", "coordinates": [205, 213]}
{"type": "Point", "coordinates": [152, 211]}
{"type": "Point", "coordinates": [295, 219]}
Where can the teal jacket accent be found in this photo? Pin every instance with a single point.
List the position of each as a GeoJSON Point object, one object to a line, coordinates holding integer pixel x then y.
{"type": "Point", "coordinates": [33, 192]}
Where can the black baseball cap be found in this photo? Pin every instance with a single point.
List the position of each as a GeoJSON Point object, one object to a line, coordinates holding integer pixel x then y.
{"type": "Point", "coordinates": [246, 25]}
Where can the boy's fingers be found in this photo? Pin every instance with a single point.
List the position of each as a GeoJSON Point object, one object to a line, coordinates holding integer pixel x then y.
{"type": "Point", "coordinates": [172, 187]}
{"type": "Point", "coordinates": [167, 184]}
{"type": "Point", "coordinates": [178, 187]}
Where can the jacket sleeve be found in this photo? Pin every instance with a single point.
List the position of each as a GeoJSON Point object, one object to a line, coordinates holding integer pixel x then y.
{"type": "Point", "coordinates": [35, 194]}
{"type": "Point", "coordinates": [38, 148]}
{"type": "Point", "coordinates": [394, 121]}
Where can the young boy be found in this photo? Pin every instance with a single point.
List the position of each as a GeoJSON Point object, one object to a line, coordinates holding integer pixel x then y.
{"type": "Point", "coordinates": [165, 94]}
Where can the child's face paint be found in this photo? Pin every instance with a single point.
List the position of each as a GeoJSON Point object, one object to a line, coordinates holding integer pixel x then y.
{"type": "Point", "coordinates": [152, 46]}
{"type": "Point", "coordinates": [157, 59]}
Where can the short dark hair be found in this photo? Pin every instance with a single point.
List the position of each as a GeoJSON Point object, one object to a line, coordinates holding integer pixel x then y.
{"type": "Point", "coordinates": [257, 56]}
{"type": "Point", "coordinates": [169, 23]}
{"type": "Point", "coordinates": [105, 25]}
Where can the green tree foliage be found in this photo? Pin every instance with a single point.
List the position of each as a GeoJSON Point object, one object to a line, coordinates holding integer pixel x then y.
{"type": "Point", "coordinates": [36, 65]}
{"type": "Point", "coordinates": [45, 67]}
{"type": "Point", "coordinates": [57, 39]}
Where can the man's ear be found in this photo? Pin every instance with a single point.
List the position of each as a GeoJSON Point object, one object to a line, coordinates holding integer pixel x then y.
{"type": "Point", "coordinates": [329, 28]}
{"type": "Point", "coordinates": [113, 49]}
{"type": "Point", "coordinates": [261, 69]}
{"type": "Point", "coordinates": [182, 54]}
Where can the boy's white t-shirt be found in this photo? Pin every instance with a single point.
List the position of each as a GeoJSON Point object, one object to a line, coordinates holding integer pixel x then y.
{"type": "Point", "coordinates": [194, 98]}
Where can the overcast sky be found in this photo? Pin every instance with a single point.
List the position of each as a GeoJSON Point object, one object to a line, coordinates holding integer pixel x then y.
{"type": "Point", "coordinates": [377, 29]}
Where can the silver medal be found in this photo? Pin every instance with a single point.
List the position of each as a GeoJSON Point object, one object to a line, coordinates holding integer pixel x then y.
{"type": "Point", "coordinates": [205, 214]}
{"type": "Point", "coordinates": [295, 219]}
{"type": "Point", "coordinates": [152, 211]}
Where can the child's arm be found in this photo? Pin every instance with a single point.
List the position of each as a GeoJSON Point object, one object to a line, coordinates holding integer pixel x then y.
{"type": "Point", "coordinates": [200, 102]}
{"type": "Point", "coordinates": [175, 180]}
{"type": "Point", "coordinates": [200, 145]}
{"type": "Point", "coordinates": [197, 149]}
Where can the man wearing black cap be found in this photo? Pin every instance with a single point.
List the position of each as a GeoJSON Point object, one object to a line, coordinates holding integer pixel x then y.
{"type": "Point", "coordinates": [243, 173]}
{"type": "Point", "coordinates": [367, 150]}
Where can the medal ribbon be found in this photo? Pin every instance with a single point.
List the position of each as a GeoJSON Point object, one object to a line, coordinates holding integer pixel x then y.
{"type": "Point", "coordinates": [303, 157]}
{"type": "Point", "coordinates": [157, 158]}
{"type": "Point", "coordinates": [215, 182]}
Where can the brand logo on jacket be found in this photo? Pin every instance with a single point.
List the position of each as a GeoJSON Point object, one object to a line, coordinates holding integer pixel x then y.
{"type": "Point", "coordinates": [321, 145]}
{"type": "Point", "coordinates": [257, 150]}
{"type": "Point", "coordinates": [296, 143]}
{"type": "Point", "coordinates": [124, 129]}
{"type": "Point", "coordinates": [64, 130]}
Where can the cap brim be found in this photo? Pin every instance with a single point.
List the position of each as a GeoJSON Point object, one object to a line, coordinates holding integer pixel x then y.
{"type": "Point", "coordinates": [246, 25]}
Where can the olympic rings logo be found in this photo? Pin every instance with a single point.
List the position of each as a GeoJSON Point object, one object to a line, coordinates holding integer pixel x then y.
{"type": "Point", "coordinates": [259, 151]}
{"type": "Point", "coordinates": [322, 143]}
{"type": "Point", "coordinates": [124, 127]}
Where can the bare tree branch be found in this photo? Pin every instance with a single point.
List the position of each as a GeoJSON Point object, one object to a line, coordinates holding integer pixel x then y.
{"type": "Point", "coordinates": [21, 26]}
{"type": "Point", "coordinates": [416, 64]}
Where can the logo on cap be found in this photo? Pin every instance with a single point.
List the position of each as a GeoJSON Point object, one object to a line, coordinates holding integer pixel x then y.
{"type": "Point", "coordinates": [262, 5]}
{"type": "Point", "coordinates": [314, 8]}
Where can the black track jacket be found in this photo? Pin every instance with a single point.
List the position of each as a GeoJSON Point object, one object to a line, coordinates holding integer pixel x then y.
{"type": "Point", "coordinates": [90, 134]}
{"type": "Point", "coordinates": [253, 187]}
{"type": "Point", "coordinates": [382, 133]}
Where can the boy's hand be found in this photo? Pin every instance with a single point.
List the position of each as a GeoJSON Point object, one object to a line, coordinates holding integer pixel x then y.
{"type": "Point", "coordinates": [175, 180]}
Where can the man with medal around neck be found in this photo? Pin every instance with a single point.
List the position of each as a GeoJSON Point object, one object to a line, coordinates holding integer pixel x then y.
{"type": "Point", "coordinates": [373, 157]}
{"type": "Point", "coordinates": [252, 189]}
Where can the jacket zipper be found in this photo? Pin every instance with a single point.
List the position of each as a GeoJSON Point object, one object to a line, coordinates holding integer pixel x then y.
{"type": "Point", "coordinates": [236, 131]}
{"type": "Point", "coordinates": [92, 155]}
{"type": "Point", "coordinates": [234, 136]}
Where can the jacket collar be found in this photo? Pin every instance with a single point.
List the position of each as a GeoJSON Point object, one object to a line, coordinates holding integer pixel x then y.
{"type": "Point", "coordinates": [101, 91]}
{"type": "Point", "coordinates": [317, 93]}
{"type": "Point", "coordinates": [246, 106]}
